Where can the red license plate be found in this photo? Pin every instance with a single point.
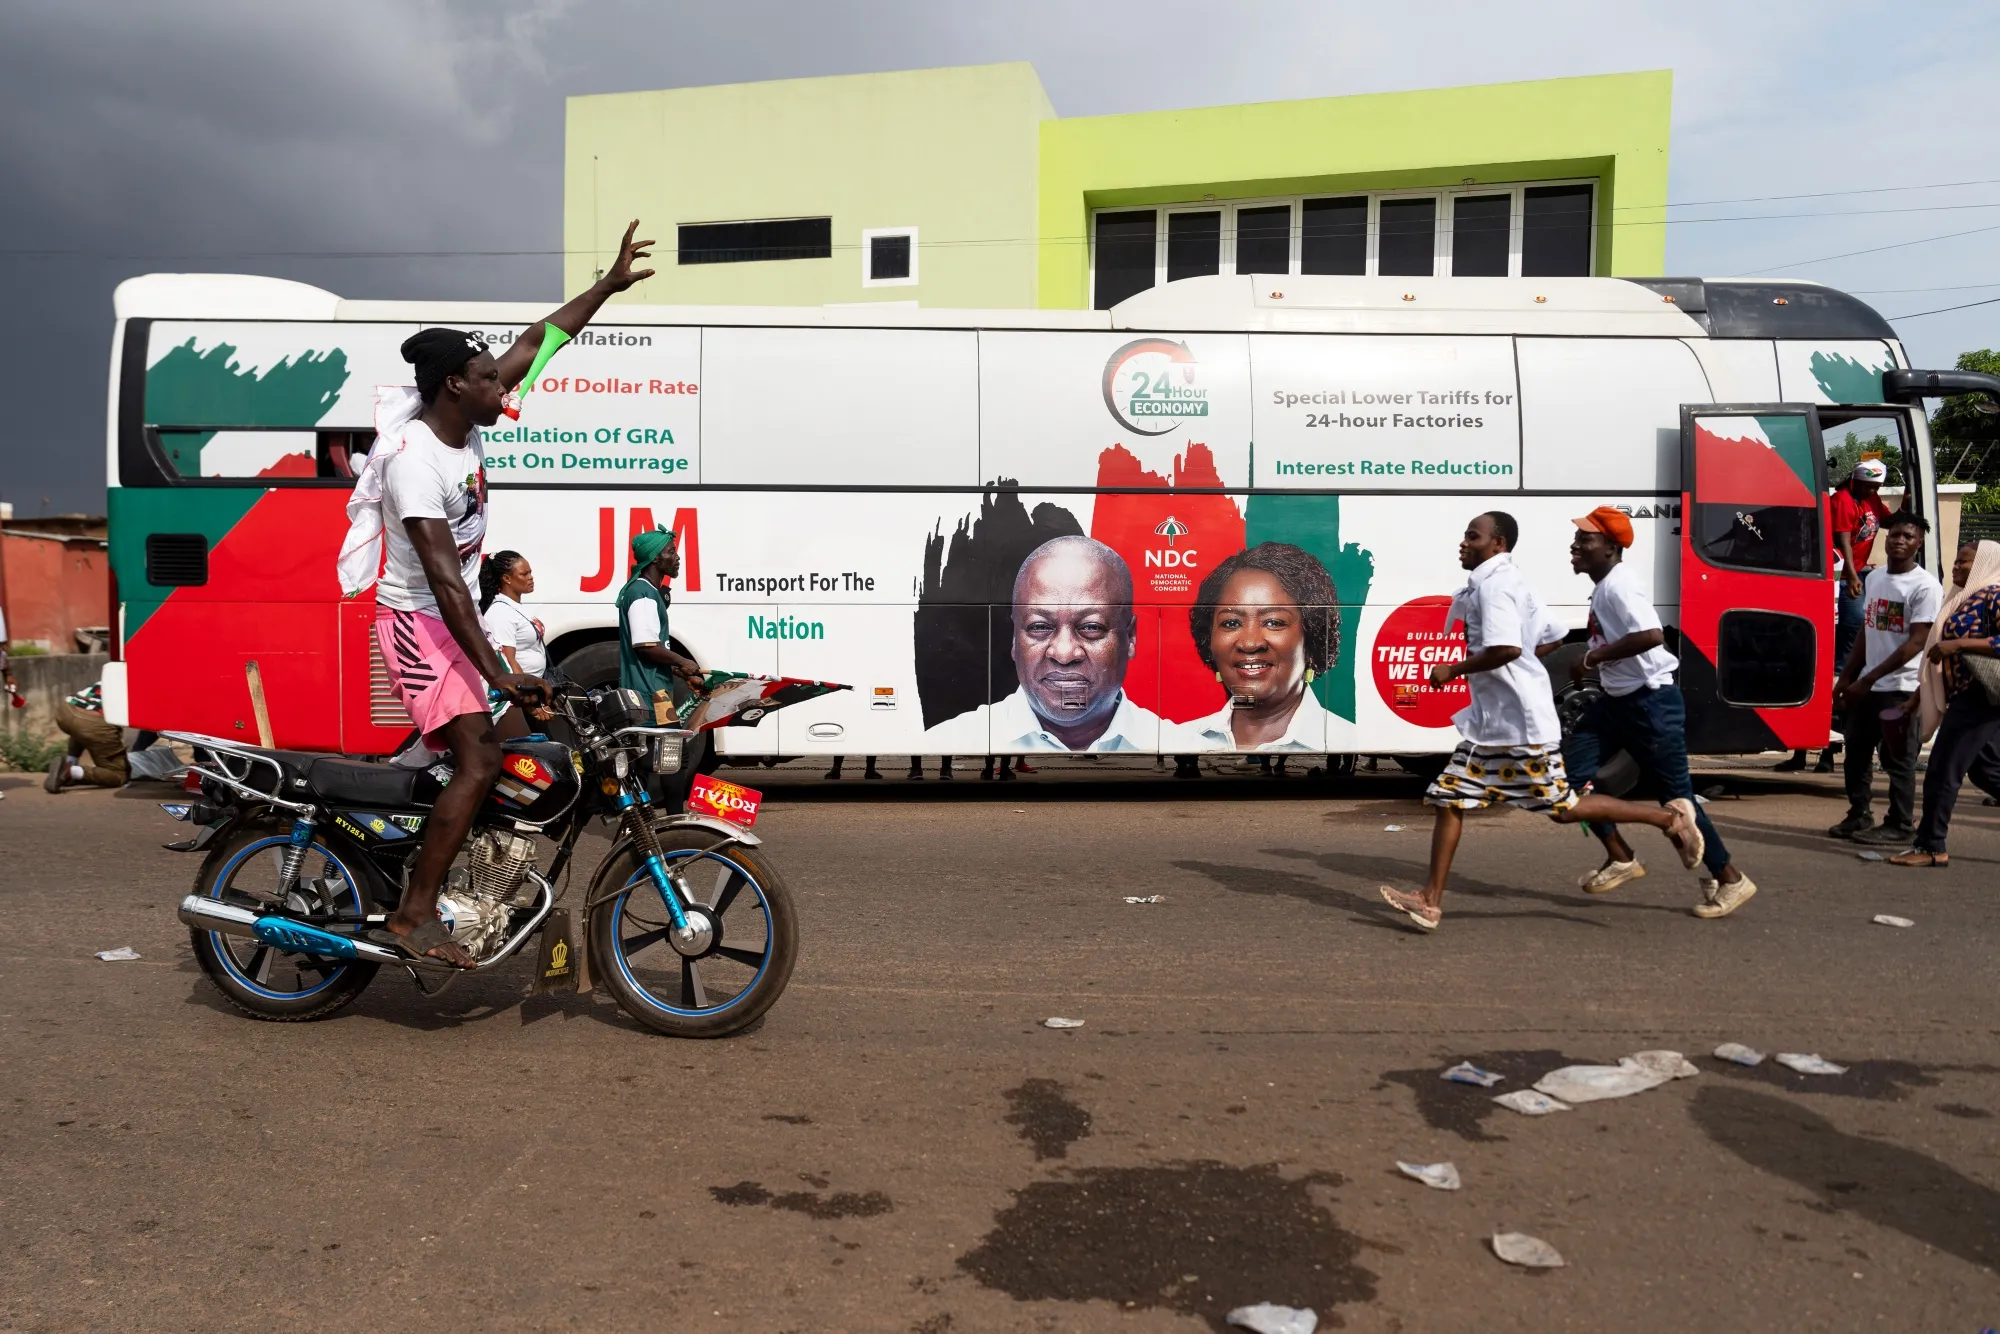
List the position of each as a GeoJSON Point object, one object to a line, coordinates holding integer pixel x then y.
{"type": "Point", "coordinates": [724, 800]}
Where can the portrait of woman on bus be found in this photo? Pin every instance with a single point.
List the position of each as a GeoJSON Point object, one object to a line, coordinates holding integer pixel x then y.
{"type": "Point", "coordinates": [1266, 622]}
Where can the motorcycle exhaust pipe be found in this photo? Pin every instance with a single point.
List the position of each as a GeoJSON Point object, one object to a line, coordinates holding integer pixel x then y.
{"type": "Point", "coordinates": [297, 937]}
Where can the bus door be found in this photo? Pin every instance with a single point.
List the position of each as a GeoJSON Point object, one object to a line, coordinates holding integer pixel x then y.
{"type": "Point", "coordinates": [1757, 595]}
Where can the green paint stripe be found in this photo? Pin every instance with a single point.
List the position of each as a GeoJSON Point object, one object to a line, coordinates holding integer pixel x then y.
{"type": "Point", "coordinates": [137, 511]}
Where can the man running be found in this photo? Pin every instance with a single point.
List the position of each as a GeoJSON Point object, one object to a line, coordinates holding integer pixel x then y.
{"type": "Point", "coordinates": [433, 511]}
{"type": "Point", "coordinates": [1641, 712]}
{"type": "Point", "coordinates": [1511, 752]}
{"type": "Point", "coordinates": [1879, 677]}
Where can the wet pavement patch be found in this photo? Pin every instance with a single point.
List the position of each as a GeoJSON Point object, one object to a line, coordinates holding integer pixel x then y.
{"type": "Point", "coordinates": [1046, 1118]}
{"type": "Point", "coordinates": [1197, 1238]}
{"type": "Point", "coordinates": [1462, 1109]}
{"type": "Point", "coordinates": [1878, 1081]}
{"type": "Point", "coordinates": [840, 1204]}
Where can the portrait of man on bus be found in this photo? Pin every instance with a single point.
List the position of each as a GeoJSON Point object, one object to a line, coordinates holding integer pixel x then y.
{"type": "Point", "coordinates": [1266, 621]}
{"type": "Point", "coordinates": [1072, 628]}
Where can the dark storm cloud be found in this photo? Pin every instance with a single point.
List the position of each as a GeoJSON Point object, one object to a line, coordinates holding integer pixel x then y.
{"type": "Point", "coordinates": [220, 134]}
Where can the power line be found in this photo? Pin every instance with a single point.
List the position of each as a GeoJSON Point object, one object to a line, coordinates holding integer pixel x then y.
{"type": "Point", "coordinates": [50, 252]}
{"type": "Point", "coordinates": [1873, 250]}
{"type": "Point", "coordinates": [1943, 309]}
{"type": "Point", "coordinates": [1821, 194]}
{"type": "Point", "coordinates": [1897, 291]}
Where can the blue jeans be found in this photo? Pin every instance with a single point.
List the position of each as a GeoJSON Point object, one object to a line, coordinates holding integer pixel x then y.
{"type": "Point", "coordinates": [1847, 618]}
{"type": "Point", "coordinates": [1651, 726]}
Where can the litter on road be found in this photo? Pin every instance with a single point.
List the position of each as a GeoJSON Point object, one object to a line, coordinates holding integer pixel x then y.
{"type": "Point", "coordinates": [1669, 1063]}
{"type": "Point", "coordinates": [1870, 856]}
{"type": "Point", "coordinates": [1593, 1083]}
{"type": "Point", "coordinates": [1392, 829]}
{"type": "Point", "coordinates": [1530, 1103]}
{"type": "Point", "coordinates": [1809, 1064]}
{"type": "Point", "coordinates": [1887, 919]}
{"type": "Point", "coordinates": [1270, 1318]}
{"type": "Point", "coordinates": [1518, 1248]}
{"type": "Point", "coordinates": [123, 954]}
{"type": "Point", "coordinates": [1740, 1054]}
{"type": "Point", "coordinates": [1465, 1072]}
{"type": "Point", "coordinates": [1058, 1022]}
{"type": "Point", "coordinates": [1438, 1176]}
{"type": "Point", "coordinates": [1145, 898]}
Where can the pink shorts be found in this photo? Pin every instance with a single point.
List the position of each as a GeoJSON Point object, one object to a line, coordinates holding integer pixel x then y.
{"type": "Point", "coordinates": [432, 675]}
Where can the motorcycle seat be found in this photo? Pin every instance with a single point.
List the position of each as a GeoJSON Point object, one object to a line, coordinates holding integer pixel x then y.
{"type": "Point", "coordinates": [356, 783]}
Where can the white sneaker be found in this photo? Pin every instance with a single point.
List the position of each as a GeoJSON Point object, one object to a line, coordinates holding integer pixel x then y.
{"type": "Point", "coordinates": [1685, 833]}
{"type": "Point", "coordinates": [1720, 900]}
{"type": "Point", "coordinates": [1609, 876]}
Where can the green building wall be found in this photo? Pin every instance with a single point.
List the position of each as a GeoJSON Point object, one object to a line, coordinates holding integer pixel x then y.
{"type": "Point", "coordinates": [951, 152]}
{"type": "Point", "coordinates": [1611, 126]}
{"type": "Point", "coordinates": [1002, 190]}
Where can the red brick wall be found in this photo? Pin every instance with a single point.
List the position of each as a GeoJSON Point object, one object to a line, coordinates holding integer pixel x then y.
{"type": "Point", "coordinates": [52, 586]}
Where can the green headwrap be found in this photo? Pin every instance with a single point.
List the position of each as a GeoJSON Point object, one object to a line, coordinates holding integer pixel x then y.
{"type": "Point", "coordinates": [646, 547]}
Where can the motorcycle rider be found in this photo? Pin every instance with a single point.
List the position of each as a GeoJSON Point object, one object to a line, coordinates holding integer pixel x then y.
{"type": "Point", "coordinates": [433, 521]}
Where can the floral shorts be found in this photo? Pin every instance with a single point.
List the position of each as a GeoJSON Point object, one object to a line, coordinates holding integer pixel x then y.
{"type": "Point", "coordinates": [1530, 777]}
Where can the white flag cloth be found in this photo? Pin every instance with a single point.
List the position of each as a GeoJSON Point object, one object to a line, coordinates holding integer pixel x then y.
{"type": "Point", "coordinates": [396, 406]}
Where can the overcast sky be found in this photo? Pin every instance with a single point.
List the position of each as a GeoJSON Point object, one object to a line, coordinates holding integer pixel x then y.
{"type": "Point", "coordinates": [234, 134]}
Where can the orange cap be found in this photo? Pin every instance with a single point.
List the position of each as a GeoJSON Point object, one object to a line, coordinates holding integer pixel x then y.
{"type": "Point", "coordinates": [1613, 523]}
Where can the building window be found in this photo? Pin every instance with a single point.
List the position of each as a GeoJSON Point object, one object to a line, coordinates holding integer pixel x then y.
{"type": "Point", "coordinates": [750, 242]}
{"type": "Point", "coordinates": [1555, 235]}
{"type": "Point", "coordinates": [1194, 244]}
{"type": "Point", "coordinates": [1123, 254]}
{"type": "Point", "coordinates": [1406, 237]}
{"type": "Point", "coordinates": [889, 257]}
{"type": "Point", "coordinates": [1490, 231]}
{"type": "Point", "coordinates": [1482, 228]}
{"type": "Point", "coordinates": [1264, 239]}
{"type": "Point", "coordinates": [1333, 238]}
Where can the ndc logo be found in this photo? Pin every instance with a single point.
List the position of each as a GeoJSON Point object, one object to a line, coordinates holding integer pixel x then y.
{"type": "Point", "coordinates": [1152, 384]}
{"type": "Point", "coordinates": [1171, 558]}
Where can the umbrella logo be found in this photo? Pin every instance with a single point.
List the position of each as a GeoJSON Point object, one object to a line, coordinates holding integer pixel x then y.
{"type": "Point", "coordinates": [1171, 529]}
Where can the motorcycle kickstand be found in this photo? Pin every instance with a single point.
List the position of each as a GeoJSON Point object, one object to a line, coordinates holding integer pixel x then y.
{"type": "Point", "coordinates": [416, 976]}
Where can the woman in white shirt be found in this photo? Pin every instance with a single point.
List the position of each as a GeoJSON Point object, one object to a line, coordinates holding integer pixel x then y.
{"type": "Point", "coordinates": [1266, 622]}
{"type": "Point", "coordinates": [505, 578]}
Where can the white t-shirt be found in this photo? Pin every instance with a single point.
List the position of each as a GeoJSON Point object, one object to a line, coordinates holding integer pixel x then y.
{"type": "Point", "coordinates": [508, 626]}
{"type": "Point", "coordinates": [1890, 605]}
{"type": "Point", "coordinates": [1511, 705]}
{"type": "Point", "coordinates": [427, 479]}
{"type": "Point", "coordinates": [1619, 607]}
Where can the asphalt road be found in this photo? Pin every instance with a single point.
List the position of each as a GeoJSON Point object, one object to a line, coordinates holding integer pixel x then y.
{"type": "Point", "coordinates": [901, 1146]}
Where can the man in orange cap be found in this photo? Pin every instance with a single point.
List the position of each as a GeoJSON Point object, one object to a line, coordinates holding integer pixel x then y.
{"type": "Point", "coordinates": [1640, 712]}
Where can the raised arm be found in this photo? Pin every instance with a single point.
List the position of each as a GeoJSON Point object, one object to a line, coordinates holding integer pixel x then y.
{"type": "Point", "coordinates": [577, 312]}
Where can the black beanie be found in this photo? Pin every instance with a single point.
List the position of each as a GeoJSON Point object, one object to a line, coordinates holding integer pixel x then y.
{"type": "Point", "coordinates": [437, 353]}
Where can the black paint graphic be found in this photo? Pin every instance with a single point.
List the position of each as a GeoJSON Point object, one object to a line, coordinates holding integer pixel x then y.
{"type": "Point", "coordinates": [962, 630]}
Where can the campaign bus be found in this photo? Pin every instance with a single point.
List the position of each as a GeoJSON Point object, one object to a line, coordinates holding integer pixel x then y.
{"type": "Point", "coordinates": [861, 495]}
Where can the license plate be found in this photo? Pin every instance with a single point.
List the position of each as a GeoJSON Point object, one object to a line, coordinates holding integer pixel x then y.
{"type": "Point", "coordinates": [724, 800]}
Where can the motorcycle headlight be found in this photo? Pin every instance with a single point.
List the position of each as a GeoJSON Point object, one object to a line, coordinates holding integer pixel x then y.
{"type": "Point", "coordinates": [667, 751]}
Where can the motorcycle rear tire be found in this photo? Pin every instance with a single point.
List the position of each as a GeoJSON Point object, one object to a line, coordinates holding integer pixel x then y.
{"type": "Point", "coordinates": [352, 978]}
{"type": "Point", "coordinates": [627, 868]}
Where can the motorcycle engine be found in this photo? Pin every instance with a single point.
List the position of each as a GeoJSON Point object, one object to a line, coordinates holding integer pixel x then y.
{"type": "Point", "coordinates": [479, 898]}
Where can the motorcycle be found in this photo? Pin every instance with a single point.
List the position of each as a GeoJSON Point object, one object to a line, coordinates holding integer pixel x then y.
{"type": "Point", "coordinates": [685, 921]}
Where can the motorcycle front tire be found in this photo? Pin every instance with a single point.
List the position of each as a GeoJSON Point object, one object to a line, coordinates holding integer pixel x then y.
{"type": "Point", "coordinates": [659, 1013]}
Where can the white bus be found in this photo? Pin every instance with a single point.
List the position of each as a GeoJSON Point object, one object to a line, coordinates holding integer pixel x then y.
{"type": "Point", "coordinates": [1263, 480]}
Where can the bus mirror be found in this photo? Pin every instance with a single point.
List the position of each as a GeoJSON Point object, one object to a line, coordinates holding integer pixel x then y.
{"type": "Point", "coordinates": [1914, 386]}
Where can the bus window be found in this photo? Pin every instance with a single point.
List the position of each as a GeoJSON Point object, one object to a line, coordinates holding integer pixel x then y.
{"type": "Point", "coordinates": [1756, 501]}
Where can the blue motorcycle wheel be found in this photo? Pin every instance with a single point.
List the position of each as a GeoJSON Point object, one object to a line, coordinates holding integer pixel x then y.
{"type": "Point", "coordinates": [739, 961]}
{"type": "Point", "coordinates": [262, 980]}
